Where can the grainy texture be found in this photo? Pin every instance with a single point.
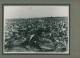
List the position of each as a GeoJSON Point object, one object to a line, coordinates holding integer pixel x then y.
{"type": "Point", "coordinates": [44, 34]}
{"type": "Point", "coordinates": [74, 27]}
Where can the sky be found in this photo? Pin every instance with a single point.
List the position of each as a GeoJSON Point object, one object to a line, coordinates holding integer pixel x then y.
{"type": "Point", "coordinates": [35, 11]}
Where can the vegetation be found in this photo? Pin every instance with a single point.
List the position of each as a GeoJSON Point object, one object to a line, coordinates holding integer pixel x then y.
{"type": "Point", "coordinates": [51, 34]}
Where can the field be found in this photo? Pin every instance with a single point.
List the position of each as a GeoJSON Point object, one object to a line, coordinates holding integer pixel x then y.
{"type": "Point", "coordinates": [44, 34]}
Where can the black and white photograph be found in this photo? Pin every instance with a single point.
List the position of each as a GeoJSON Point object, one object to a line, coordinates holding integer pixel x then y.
{"type": "Point", "coordinates": [36, 29]}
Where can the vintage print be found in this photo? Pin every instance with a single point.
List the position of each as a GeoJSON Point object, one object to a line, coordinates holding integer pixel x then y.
{"type": "Point", "coordinates": [36, 29]}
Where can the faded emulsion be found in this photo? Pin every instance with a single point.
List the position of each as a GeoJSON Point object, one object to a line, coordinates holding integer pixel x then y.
{"type": "Point", "coordinates": [36, 29]}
